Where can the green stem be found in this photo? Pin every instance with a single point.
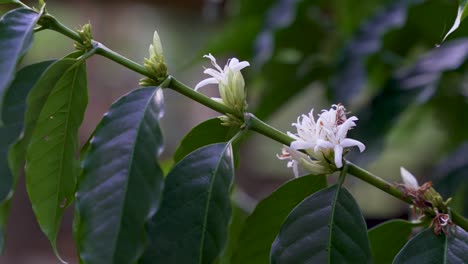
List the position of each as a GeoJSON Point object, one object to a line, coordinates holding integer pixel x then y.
{"type": "Point", "coordinates": [201, 98]}
{"type": "Point", "coordinates": [460, 220]}
{"type": "Point", "coordinates": [255, 124]}
{"type": "Point", "coordinates": [383, 185]}
{"type": "Point", "coordinates": [50, 22]}
{"type": "Point", "coordinates": [114, 56]}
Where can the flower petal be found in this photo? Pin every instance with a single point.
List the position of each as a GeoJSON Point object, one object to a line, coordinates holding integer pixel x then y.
{"type": "Point", "coordinates": [205, 82]}
{"type": "Point", "coordinates": [408, 179]}
{"type": "Point", "coordinates": [347, 125]}
{"type": "Point", "coordinates": [239, 66]}
{"type": "Point", "coordinates": [322, 144]}
{"type": "Point", "coordinates": [348, 142]}
{"type": "Point", "coordinates": [338, 156]}
{"type": "Point", "coordinates": [301, 144]}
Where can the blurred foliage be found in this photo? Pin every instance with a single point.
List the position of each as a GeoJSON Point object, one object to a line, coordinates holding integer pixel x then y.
{"type": "Point", "coordinates": [383, 59]}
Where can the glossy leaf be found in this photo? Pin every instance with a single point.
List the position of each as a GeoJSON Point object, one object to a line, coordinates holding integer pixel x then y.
{"type": "Point", "coordinates": [16, 31]}
{"type": "Point", "coordinates": [415, 84]}
{"type": "Point", "coordinates": [427, 247]}
{"type": "Point", "coordinates": [327, 227]}
{"type": "Point", "coordinates": [262, 226]}
{"type": "Point", "coordinates": [209, 132]}
{"type": "Point", "coordinates": [388, 238]}
{"type": "Point", "coordinates": [462, 12]}
{"type": "Point", "coordinates": [192, 223]}
{"type": "Point", "coordinates": [121, 184]}
{"type": "Point", "coordinates": [51, 165]}
{"type": "Point", "coordinates": [13, 116]}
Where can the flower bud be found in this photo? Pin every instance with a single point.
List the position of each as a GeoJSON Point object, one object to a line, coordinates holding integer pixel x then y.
{"type": "Point", "coordinates": [155, 64]}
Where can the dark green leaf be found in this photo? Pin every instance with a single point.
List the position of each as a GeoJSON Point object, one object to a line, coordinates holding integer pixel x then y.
{"type": "Point", "coordinates": [209, 132]}
{"type": "Point", "coordinates": [121, 184]}
{"type": "Point", "coordinates": [51, 165]}
{"type": "Point", "coordinates": [13, 116]}
{"type": "Point", "coordinates": [388, 238]}
{"type": "Point", "coordinates": [192, 223]}
{"type": "Point", "coordinates": [427, 247]}
{"type": "Point", "coordinates": [414, 84]}
{"type": "Point", "coordinates": [262, 226]}
{"type": "Point", "coordinates": [327, 227]}
{"type": "Point", "coordinates": [16, 31]}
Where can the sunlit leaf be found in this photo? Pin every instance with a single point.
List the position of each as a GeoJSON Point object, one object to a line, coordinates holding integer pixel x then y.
{"type": "Point", "coordinates": [191, 224]}
{"type": "Point", "coordinates": [427, 247]}
{"type": "Point", "coordinates": [13, 116]}
{"type": "Point", "coordinates": [36, 99]}
{"type": "Point", "coordinates": [51, 165]}
{"type": "Point", "coordinates": [262, 226]}
{"type": "Point", "coordinates": [121, 184]}
{"type": "Point", "coordinates": [388, 238]}
{"type": "Point", "coordinates": [327, 227]}
{"type": "Point", "coordinates": [16, 31]}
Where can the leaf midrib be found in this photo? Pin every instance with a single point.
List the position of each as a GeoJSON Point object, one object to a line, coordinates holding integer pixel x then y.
{"type": "Point", "coordinates": [148, 102]}
{"type": "Point", "coordinates": [75, 68]}
{"type": "Point", "coordinates": [332, 216]}
{"type": "Point", "coordinates": [208, 201]}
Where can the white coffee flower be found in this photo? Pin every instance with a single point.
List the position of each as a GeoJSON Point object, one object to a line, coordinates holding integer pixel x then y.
{"type": "Point", "coordinates": [324, 140]}
{"type": "Point", "coordinates": [230, 81]}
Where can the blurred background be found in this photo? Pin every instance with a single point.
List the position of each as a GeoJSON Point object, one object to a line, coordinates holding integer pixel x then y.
{"type": "Point", "coordinates": [383, 59]}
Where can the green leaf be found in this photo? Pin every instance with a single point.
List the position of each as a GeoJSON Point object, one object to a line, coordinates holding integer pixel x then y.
{"type": "Point", "coordinates": [16, 31]}
{"type": "Point", "coordinates": [327, 227]}
{"type": "Point", "coordinates": [192, 223]}
{"type": "Point", "coordinates": [209, 132]}
{"type": "Point", "coordinates": [462, 12]}
{"type": "Point", "coordinates": [36, 99]}
{"type": "Point", "coordinates": [51, 165]}
{"type": "Point", "coordinates": [262, 226]}
{"type": "Point", "coordinates": [388, 238]}
{"type": "Point", "coordinates": [13, 115]}
{"type": "Point", "coordinates": [426, 247]}
{"type": "Point", "coordinates": [121, 184]}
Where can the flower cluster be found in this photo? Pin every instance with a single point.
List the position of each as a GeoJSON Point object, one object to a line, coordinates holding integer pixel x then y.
{"type": "Point", "coordinates": [231, 86]}
{"type": "Point", "coordinates": [323, 140]}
